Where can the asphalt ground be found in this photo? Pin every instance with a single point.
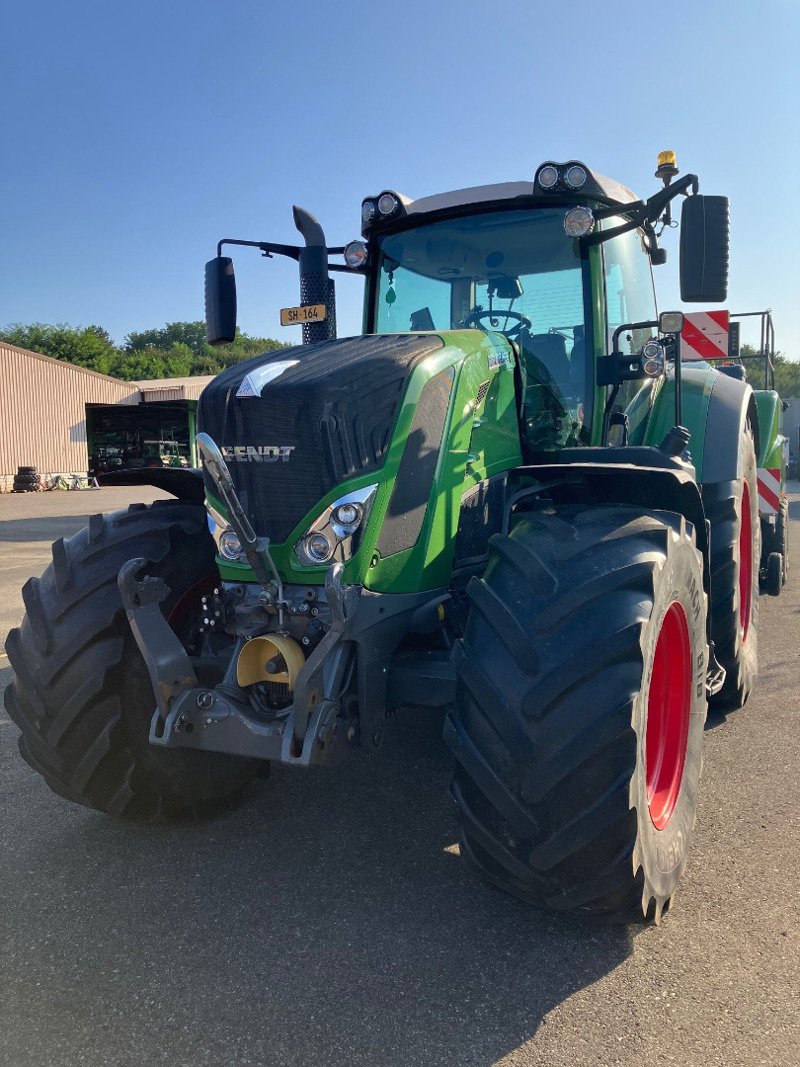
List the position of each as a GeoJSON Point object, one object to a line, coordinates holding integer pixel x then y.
{"type": "Point", "coordinates": [330, 921]}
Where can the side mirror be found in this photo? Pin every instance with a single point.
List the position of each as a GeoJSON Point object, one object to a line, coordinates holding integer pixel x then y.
{"type": "Point", "coordinates": [220, 301]}
{"type": "Point", "coordinates": [705, 241]}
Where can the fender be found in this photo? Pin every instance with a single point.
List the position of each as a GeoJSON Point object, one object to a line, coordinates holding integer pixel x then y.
{"type": "Point", "coordinates": [715, 409]}
{"type": "Point", "coordinates": [731, 404]}
{"type": "Point", "coordinates": [185, 483]}
{"type": "Point", "coordinates": [772, 449]}
{"type": "Point", "coordinates": [640, 476]}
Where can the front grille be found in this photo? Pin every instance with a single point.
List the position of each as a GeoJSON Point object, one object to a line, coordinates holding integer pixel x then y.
{"type": "Point", "coordinates": [336, 410]}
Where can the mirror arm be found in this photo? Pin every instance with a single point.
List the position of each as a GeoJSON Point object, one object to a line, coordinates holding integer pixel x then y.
{"type": "Point", "coordinates": [292, 251]}
{"type": "Point", "coordinates": [642, 211]}
{"type": "Point", "coordinates": [269, 250]}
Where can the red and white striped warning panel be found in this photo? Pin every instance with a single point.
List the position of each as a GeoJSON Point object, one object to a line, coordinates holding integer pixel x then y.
{"type": "Point", "coordinates": [705, 335]}
{"type": "Point", "coordinates": [769, 490]}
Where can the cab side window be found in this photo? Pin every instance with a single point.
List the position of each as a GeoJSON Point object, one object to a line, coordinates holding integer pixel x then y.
{"type": "Point", "coordinates": [630, 297]}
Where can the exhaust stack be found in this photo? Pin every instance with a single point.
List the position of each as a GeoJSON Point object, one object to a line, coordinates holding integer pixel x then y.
{"type": "Point", "coordinates": [316, 287]}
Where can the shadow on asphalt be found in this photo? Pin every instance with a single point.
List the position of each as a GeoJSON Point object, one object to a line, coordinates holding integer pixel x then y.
{"type": "Point", "coordinates": [323, 922]}
{"type": "Point", "coordinates": [42, 528]}
{"type": "Point", "coordinates": [326, 921]}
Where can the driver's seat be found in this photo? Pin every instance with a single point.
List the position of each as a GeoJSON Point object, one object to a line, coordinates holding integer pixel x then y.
{"type": "Point", "coordinates": [551, 350]}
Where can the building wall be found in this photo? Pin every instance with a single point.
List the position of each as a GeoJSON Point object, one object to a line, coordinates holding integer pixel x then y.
{"type": "Point", "coordinates": [43, 411]}
{"type": "Point", "coordinates": [173, 388]}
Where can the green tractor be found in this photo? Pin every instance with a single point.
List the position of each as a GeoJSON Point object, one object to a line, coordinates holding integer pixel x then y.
{"type": "Point", "coordinates": [509, 501]}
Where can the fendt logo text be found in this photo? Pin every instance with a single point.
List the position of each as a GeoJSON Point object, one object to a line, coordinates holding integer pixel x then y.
{"type": "Point", "coordinates": [258, 454]}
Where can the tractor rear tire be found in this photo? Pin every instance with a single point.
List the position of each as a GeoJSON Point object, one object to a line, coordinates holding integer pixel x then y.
{"type": "Point", "coordinates": [772, 582]}
{"type": "Point", "coordinates": [577, 726]}
{"type": "Point", "coordinates": [776, 539]}
{"type": "Point", "coordinates": [782, 530]}
{"type": "Point", "coordinates": [82, 696]}
{"type": "Point", "coordinates": [735, 542]}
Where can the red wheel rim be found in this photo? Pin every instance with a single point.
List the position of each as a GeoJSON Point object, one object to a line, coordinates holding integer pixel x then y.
{"type": "Point", "coordinates": [668, 710]}
{"type": "Point", "coordinates": [745, 564]}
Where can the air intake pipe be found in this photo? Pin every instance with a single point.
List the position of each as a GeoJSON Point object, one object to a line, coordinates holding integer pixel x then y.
{"type": "Point", "coordinates": [316, 287]}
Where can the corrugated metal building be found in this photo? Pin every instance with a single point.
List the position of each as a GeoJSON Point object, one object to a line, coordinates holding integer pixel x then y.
{"type": "Point", "coordinates": [160, 389]}
{"type": "Point", "coordinates": [53, 413]}
{"type": "Point", "coordinates": [43, 411]}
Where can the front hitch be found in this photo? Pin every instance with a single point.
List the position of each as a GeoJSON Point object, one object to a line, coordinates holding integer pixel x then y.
{"type": "Point", "coordinates": [189, 715]}
{"type": "Point", "coordinates": [341, 693]}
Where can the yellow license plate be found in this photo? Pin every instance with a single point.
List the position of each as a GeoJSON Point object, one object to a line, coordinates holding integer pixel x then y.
{"type": "Point", "coordinates": [307, 313]}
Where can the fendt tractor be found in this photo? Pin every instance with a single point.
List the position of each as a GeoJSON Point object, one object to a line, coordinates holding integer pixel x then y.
{"type": "Point", "coordinates": [509, 501]}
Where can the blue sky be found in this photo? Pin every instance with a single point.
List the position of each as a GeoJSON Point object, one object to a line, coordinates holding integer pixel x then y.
{"type": "Point", "coordinates": [135, 135]}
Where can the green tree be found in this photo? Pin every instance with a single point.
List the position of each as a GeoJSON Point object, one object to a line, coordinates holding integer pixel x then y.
{"type": "Point", "coordinates": [787, 372]}
{"type": "Point", "coordinates": [85, 346]}
{"type": "Point", "coordinates": [175, 362]}
{"type": "Point", "coordinates": [190, 334]}
{"type": "Point", "coordinates": [176, 350]}
{"type": "Point", "coordinates": [172, 342]}
{"type": "Point", "coordinates": [787, 376]}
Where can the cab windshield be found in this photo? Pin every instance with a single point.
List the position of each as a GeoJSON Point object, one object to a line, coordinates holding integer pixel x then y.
{"type": "Point", "coordinates": [513, 272]}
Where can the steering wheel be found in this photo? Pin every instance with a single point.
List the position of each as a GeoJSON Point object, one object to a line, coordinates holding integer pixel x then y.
{"type": "Point", "coordinates": [521, 322]}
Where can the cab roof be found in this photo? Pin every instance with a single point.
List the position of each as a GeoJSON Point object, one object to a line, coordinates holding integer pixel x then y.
{"type": "Point", "coordinates": [595, 188]}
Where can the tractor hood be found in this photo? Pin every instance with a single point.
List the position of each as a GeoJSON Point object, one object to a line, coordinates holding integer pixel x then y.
{"type": "Point", "coordinates": [295, 423]}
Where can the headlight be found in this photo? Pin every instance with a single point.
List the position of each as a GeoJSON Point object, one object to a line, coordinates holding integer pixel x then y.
{"type": "Point", "coordinates": [578, 222]}
{"type": "Point", "coordinates": [229, 545]}
{"type": "Point", "coordinates": [547, 176]}
{"type": "Point", "coordinates": [347, 516]}
{"type": "Point", "coordinates": [317, 548]}
{"type": "Point", "coordinates": [575, 176]}
{"type": "Point", "coordinates": [226, 540]}
{"type": "Point", "coordinates": [337, 533]}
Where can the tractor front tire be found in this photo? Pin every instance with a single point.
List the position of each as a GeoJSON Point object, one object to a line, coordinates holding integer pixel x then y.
{"type": "Point", "coordinates": [577, 726]}
{"type": "Point", "coordinates": [81, 694]}
{"type": "Point", "coordinates": [735, 542]}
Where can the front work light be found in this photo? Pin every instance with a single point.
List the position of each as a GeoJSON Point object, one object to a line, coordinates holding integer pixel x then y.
{"type": "Point", "coordinates": [652, 359]}
{"type": "Point", "coordinates": [670, 321]}
{"type": "Point", "coordinates": [578, 222]}
{"type": "Point", "coordinates": [368, 210]}
{"type": "Point", "coordinates": [575, 176]}
{"type": "Point", "coordinates": [388, 204]}
{"type": "Point", "coordinates": [355, 254]}
{"type": "Point", "coordinates": [547, 176]}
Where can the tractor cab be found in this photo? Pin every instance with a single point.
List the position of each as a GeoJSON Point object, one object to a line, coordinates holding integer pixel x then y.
{"type": "Point", "coordinates": [558, 270]}
{"type": "Point", "coordinates": [507, 272]}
